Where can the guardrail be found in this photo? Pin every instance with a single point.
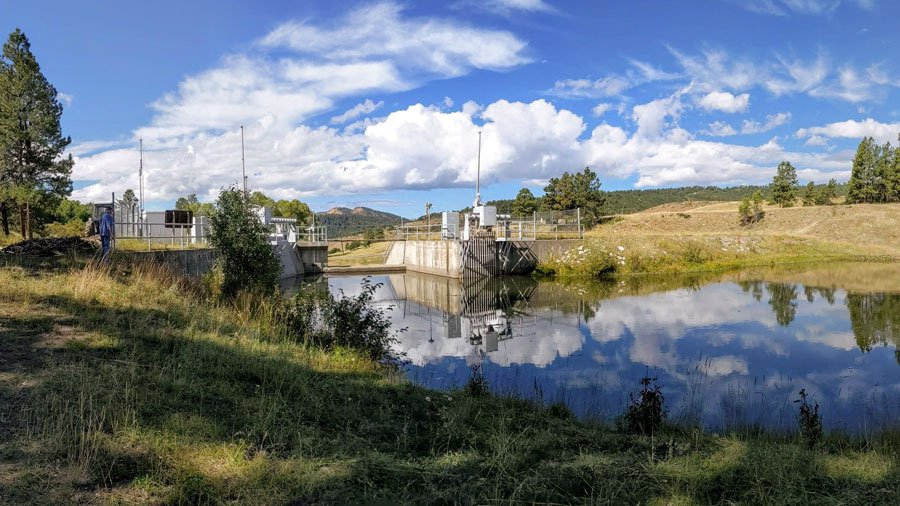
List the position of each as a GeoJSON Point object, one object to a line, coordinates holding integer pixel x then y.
{"type": "Point", "coordinates": [160, 235]}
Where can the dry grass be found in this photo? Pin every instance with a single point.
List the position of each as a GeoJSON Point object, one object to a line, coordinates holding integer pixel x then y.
{"type": "Point", "coordinates": [870, 228]}
{"type": "Point", "coordinates": [373, 254]}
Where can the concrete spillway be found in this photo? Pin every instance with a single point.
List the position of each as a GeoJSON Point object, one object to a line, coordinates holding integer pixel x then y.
{"type": "Point", "coordinates": [477, 258]}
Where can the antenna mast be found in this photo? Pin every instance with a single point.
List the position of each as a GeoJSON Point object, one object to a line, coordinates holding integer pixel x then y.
{"type": "Point", "coordinates": [243, 170]}
{"type": "Point", "coordinates": [141, 177]}
{"type": "Point", "coordinates": [478, 175]}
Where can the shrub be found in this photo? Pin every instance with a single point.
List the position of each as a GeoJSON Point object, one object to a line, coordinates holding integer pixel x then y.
{"type": "Point", "coordinates": [809, 419]}
{"type": "Point", "coordinates": [646, 412]}
{"type": "Point", "coordinates": [349, 321]}
{"type": "Point", "coordinates": [477, 385]}
{"type": "Point", "coordinates": [247, 261]}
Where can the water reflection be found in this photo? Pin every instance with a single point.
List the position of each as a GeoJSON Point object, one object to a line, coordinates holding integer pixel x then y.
{"type": "Point", "coordinates": [729, 350]}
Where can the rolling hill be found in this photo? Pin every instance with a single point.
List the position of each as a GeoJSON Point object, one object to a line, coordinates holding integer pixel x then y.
{"type": "Point", "coordinates": [343, 221]}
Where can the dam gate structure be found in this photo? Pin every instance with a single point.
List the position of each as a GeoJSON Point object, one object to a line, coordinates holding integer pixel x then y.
{"type": "Point", "coordinates": [484, 244]}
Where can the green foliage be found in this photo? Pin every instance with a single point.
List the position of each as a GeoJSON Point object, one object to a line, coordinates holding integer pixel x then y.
{"type": "Point", "coordinates": [319, 318]}
{"type": "Point", "coordinates": [579, 190]}
{"type": "Point", "coordinates": [646, 412]}
{"type": "Point", "coordinates": [875, 175]}
{"type": "Point", "coordinates": [247, 261]}
{"type": "Point", "coordinates": [750, 210]}
{"type": "Point", "coordinates": [827, 194]}
{"type": "Point", "coordinates": [34, 174]}
{"type": "Point", "coordinates": [260, 199]}
{"type": "Point", "coordinates": [810, 194]}
{"type": "Point", "coordinates": [192, 203]}
{"type": "Point", "coordinates": [342, 222]}
{"type": "Point", "coordinates": [809, 419]}
{"type": "Point", "coordinates": [293, 209]}
{"type": "Point", "coordinates": [784, 185]}
{"type": "Point", "coordinates": [525, 204]}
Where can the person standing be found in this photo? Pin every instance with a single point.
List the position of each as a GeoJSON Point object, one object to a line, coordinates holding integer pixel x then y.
{"type": "Point", "coordinates": [107, 232]}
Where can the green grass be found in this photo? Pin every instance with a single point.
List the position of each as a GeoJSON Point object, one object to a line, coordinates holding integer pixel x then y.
{"type": "Point", "coordinates": [126, 386]}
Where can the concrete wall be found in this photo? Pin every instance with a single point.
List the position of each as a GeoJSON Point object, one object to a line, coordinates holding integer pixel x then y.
{"type": "Point", "coordinates": [192, 262]}
{"type": "Point", "coordinates": [546, 249]}
{"type": "Point", "coordinates": [440, 258]}
{"type": "Point", "coordinates": [312, 255]}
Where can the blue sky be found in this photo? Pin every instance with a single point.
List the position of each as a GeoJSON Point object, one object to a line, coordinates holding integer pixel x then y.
{"type": "Point", "coordinates": [379, 103]}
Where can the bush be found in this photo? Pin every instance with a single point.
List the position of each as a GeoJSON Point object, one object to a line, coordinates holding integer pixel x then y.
{"type": "Point", "coordinates": [349, 321]}
{"type": "Point", "coordinates": [809, 419]}
{"type": "Point", "coordinates": [247, 261]}
{"type": "Point", "coordinates": [646, 412]}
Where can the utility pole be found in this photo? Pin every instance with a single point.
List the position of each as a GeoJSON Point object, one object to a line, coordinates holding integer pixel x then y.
{"type": "Point", "coordinates": [428, 217]}
{"type": "Point", "coordinates": [243, 169]}
{"type": "Point", "coordinates": [478, 175]}
{"type": "Point", "coordinates": [141, 187]}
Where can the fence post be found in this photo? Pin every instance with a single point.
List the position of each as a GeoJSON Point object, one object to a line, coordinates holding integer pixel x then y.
{"type": "Point", "coordinates": [578, 210]}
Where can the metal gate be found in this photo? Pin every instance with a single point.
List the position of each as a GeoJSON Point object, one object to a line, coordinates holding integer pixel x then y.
{"type": "Point", "coordinates": [479, 256]}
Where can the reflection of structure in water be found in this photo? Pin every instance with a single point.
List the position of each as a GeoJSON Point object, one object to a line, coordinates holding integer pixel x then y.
{"type": "Point", "coordinates": [489, 309]}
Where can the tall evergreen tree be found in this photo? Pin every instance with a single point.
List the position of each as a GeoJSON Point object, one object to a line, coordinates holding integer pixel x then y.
{"type": "Point", "coordinates": [784, 185]}
{"type": "Point", "coordinates": [861, 187]}
{"type": "Point", "coordinates": [809, 195]}
{"type": "Point", "coordinates": [33, 170]}
{"type": "Point", "coordinates": [578, 190]}
{"type": "Point", "coordinates": [525, 204]}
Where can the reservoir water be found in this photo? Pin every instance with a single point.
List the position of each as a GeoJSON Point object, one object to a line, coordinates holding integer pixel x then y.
{"type": "Point", "coordinates": [729, 350]}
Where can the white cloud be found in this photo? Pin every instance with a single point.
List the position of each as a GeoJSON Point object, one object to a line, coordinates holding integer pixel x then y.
{"type": "Point", "coordinates": [374, 48]}
{"type": "Point", "coordinates": [65, 98]}
{"type": "Point", "coordinates": [852, 129]}
{"type": "Point", "coordinates": [720, 129]}
{"type": "Point", "coordinates": [438, 46]}
{"type": "Point", "coordinates": [816, 140]}
{"type": "Point", "coordinates": [448, 102]}
{"type": "Point", "coordinates": [601, 109]}
{"type": "Point", "coordinates": [585, 88]}
{"type": "Point", "coordinates": [786, 7]}
{"type": "Point", "coordinates": [506, 7]}
{"type": "Point", "coordinates": [356, 111]}
{"type": "Point", "coordinates": [772, 121]}
{"type": "Point", "coordinates": [649, 73]}
{"type": "Point", "coordinates": [725, 102]}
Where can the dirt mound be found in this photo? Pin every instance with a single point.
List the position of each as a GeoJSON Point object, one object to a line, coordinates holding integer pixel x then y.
{"type": "Point", "coordinates": [51, 246]}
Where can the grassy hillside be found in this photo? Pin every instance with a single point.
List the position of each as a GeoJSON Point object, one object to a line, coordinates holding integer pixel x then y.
{"type": "Point", "coordinates": [701, 237]}
{"type": "Point", "coordinates": [125, 387]}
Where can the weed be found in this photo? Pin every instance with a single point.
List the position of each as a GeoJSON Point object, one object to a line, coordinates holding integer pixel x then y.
{"type": "Point", "coordinates": [646, 412]}
{"type": "Point", "coordinates": [477, 385]}
{"type": "Point", "coordinates": [809, 419]}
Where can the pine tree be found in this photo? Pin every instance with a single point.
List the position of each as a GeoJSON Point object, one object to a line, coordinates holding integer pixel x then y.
{"type": "Point", "coordinates": [863, 176]}
{"type": "Point", "coordinates": [578, 190]}
{"type": "Point", "coordinates": [809, 195]}
{"type": "Point", "coordinates": [784, 185]}
{"type": "Point", "coordinates": [525, 203]}
{"type": "Point", "coordinates": [32, 169]}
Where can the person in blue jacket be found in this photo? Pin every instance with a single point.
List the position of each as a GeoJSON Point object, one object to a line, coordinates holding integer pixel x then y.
{"type": "Point", "coordinates": [107, 232]}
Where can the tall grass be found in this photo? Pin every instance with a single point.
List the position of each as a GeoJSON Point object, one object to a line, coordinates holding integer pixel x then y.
{"type": "Point", "coordinates": [151, 392]}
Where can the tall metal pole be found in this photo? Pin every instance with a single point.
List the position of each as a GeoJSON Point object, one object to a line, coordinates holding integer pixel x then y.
{"type": "Point", "coordinates": [141, 174]}
{"type": "Point", "coordinates": [243, 170]}
{"type": "Point", "coordinates": [478, 174]}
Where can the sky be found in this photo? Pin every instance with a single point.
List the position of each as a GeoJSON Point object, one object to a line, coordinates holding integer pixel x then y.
{"type": "Point", "coordinates": [379, 104]}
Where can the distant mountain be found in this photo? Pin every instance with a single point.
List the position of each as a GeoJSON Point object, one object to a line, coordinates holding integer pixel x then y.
{"type": "Point", "coordinates": [343, 221]}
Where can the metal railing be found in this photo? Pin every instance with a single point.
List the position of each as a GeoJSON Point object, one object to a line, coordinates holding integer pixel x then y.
{"type": "Point", "coordinates": [159, 235]}
{"type": "Point", "coordinates": [540, 225]}
{"type": "Point", "coordinates": [313, 234]}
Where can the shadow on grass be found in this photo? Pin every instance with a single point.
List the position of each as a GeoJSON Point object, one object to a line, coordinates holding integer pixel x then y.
{"type": "Point", "coordinates": [175, 406]}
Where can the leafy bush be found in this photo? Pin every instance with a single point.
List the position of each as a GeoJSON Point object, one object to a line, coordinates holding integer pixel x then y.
{"type": "Point", "coordinates": [646, 412]}
{"type": "Point", "coordinates": [809, 419]}
{"type": "Point", "coordinates": [247, 261]}
{"type": "Point", "coordinates": [349, 321]}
